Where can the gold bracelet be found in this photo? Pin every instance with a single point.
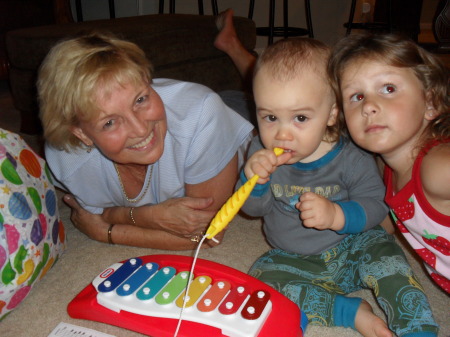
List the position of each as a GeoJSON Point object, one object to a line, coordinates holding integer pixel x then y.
{"type": "Point", "coordinates": [131, 216]}
{"type": "Point", "coordinates": [110, 241]}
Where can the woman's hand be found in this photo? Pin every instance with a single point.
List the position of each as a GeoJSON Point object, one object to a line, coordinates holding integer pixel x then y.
{"type": "Point", "coordinates": [171, 224]}
{"type": "Point", "coordinates": [96, 228]}
{"type": "Point", "coordinates": [88, 223]}
{"type": "Point", "coordinates": [183, 217]}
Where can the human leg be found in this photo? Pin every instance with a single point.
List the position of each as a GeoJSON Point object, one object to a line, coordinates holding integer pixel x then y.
{"type": "Point", "coordinates": [279, 270]}
{"type": "Point", "coordinates": [228, 42]}
{"type": "Point", "coordinates": [367, 260]}
{"type": "Point", "coordinates": [384, 269]}
{"type": "Point", "coordinates": [342, 264]}
{"type": "Point", "coordinates": [304, 280]}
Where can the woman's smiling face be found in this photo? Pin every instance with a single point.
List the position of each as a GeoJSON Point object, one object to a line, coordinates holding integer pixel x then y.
{"type": "Point", "coordinates": [130, 126]}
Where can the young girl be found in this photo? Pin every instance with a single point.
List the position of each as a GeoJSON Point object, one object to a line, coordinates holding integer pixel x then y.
{"type": "Point", "coordinates": [395, 100]}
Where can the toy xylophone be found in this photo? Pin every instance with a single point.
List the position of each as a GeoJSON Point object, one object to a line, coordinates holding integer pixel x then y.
{"type": "Point", "coordinates": [146, 294]}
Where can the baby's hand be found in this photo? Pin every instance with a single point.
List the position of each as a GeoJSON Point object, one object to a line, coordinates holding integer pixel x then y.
{"type": "Point", "coordinates": [263, 163]}
{"type": "Point", "coordinates": [320, 213]}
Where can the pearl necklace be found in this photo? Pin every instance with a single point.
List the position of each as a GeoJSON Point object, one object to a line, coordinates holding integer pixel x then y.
{"type": "Point", "coordinates": [123, 187]}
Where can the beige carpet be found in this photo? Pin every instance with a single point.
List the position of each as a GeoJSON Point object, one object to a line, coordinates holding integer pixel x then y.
{"type": "Point", "coordinates": [46, 305]}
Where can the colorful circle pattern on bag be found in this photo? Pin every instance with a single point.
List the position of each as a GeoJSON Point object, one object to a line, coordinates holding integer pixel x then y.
{"type": "Point", "coordinates": [32, 236]}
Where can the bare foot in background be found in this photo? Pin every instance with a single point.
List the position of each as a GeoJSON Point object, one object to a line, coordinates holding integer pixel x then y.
{"type": "Point", "coordinates": [228, 42]}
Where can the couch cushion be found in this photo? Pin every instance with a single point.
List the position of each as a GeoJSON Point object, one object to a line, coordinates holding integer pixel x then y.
{"type": "Point", "coordinates": [165, 38]}
{"type": "Point", "coordinates": [180, 46]}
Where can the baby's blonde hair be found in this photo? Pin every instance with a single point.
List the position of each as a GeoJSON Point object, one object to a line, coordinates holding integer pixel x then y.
{"type": "Point", "coordinates": [73, 73]}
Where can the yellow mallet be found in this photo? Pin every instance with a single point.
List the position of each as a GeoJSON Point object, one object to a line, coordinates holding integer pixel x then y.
{"type": "Point", "coordinates": [233, 205]}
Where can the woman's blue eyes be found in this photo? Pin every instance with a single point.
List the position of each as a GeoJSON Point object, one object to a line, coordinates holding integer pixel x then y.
{"type": "Point", "coordinates": [108, 124]}
{"type": "Point", "coordinates": [141, 99]}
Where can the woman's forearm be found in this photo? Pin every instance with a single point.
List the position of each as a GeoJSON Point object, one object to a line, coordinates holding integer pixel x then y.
{"type": "Point", "coordinates": [148, 238]}
{"type": "Point", "coordinates": [182, 217]}
{"type": "Point", "coordinates": [117, 215]}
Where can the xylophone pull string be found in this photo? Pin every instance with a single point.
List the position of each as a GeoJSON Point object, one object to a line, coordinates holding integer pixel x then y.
{"type": "Point", "coordinates": [218, 224]}
{"type": "Point", "coordinates": [191, 275]}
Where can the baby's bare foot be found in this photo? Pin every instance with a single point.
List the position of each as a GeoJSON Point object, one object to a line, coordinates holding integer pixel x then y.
{"type": "Point", "coordinates": [370, 325]}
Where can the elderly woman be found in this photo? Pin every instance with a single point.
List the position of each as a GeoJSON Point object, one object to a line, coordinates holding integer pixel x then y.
{"type": "Point", "coordinates": [149, 161]}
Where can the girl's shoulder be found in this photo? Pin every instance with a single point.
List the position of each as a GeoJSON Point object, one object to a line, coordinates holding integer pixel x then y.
{"type": "Point", "coordinates": [435, 173]}
{"type": "Point", "coordinates": [437, 159]}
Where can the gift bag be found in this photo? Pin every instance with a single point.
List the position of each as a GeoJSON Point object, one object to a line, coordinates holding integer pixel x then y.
{"type": "Point", "coordinates": [32, 235]}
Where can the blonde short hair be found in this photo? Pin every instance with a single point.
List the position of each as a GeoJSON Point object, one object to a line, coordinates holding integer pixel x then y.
{"type": "Point", "coordinates": [286, 60]}
{"type": "Point", "coordinates": [71, 75]}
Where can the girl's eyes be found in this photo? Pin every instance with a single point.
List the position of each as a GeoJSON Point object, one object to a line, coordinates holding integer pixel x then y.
{"type": "Point", "coordinates": [388, 89]}
{"type": "Point", "coordinates": [357, 97]}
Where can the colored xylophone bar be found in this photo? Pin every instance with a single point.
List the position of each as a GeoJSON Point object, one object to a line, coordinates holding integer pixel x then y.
{"type": "Point", "coordinates": [146, 294]}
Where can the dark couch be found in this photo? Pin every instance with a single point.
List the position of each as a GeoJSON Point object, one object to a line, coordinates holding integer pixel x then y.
{"type": "Point", "coordinates": [180, 46]}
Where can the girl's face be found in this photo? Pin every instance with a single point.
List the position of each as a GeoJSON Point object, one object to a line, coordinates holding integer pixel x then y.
{"type": "Point", "coordinates": [294, 114]}
{"type": "Point", "coordinates": [130, 126]}
{"type": "Point", "coordinates": [385, 107]}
